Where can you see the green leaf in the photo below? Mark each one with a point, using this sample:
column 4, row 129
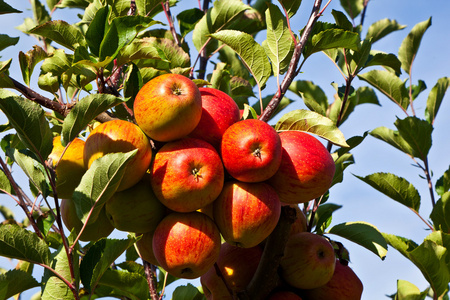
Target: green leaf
column 388, row 84
column 28, row 119
column 5, row 185
column 312, row 122
column 40, row 13
column 86, row 110
column 5, row 80
column 396, row 188
column 29, row 60
column 220, row 78
column 99, row 183
column 393, row 138
column 53, row 286
column 131, row 285
column 435, row 98
column 279, row 45
column 382, row 28
column 14, row 282
column 440, row 215
column 122, row 31
column 341, row 20
column 99, row 258
column 408, row 291
column 187, row 292
column 6, row 41
column 313, row 96
column 417, row 133
column 150, row 8
column 5, row 8
column 291, row 6
column 97, row 29
column 251, row 53
column 19, row 243
column 401, row 244
column 330, row 39
column 363, row 234
column 341, row 163
column 187, row 20
column 353, row 7
column 410, row 45
column 62, row 33
column 283, row 103
column 377, row 58
column 324, row 215
column 443, row 183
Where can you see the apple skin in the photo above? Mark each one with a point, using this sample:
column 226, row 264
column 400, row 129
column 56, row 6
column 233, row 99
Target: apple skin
column 300, row 224
column 94, row 230
column 144, row 248
column 246, row 213
column 237, row 266
column 168, row 107
column 219, row 111
column 186, row 245
column 135, row 209
column 187, row 174
column 306, row 170
column 308, row 261
column 286, row 295
column 120, row 136
column 70, row 167
column 251, row 150
column 344, row 285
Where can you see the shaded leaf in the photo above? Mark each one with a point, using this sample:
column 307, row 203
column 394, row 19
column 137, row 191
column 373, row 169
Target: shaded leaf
column 417, row 133
column 86, row 110
column 330, row 39
column 435, row 98
column 98, row 259
column 393, row 138
column 150, row 8
column 324, row 215
column 5, row 185
column 353, row 7
column 382, row 28
column 5, row 8
column 313, row 96
column 14, row 282
column 251, row 53
column 187, row 20
column 131, row 285
column 410, row 45
column 377, row 58
column 19, row 243
column 97, row 29
column 220, row 78
column 29, row 60
column 441, row 212
column 291, row 6
column 312, row 122
column 443, row 183
column 6, row 41
column 187, row 292
column 28, row 119
column 61, row 32
column 341, row 163
column 395, row 187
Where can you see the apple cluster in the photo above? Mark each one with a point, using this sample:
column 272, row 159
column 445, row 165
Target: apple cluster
column 200, row 176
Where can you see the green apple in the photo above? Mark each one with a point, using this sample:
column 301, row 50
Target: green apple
column 144, row 247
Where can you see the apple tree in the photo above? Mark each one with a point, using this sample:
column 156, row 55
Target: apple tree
column 90, row 72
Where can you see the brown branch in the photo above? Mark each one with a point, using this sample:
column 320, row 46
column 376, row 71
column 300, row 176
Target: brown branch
column 149, row 273
column 166, row 8
column 292, row 69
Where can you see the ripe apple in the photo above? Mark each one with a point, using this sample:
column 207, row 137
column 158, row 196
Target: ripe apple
column 144, row 248
column 219, row 111
column 187, row 174
column 286, row 295
column 186, row 245
column 237, row 266
column 135, row 209
column 246, row 213
column 344, row 285
column 308, row 261
column 69, row 168
column 251, row 150
column 120, row 136
column 300, row 224
column 168, row 107
column 94, row 230
column 306, row 169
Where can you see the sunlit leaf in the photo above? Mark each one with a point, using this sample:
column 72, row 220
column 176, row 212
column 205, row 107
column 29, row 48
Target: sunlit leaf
column 353, row 7
column 313, row 96
column 62, row 33
column 332, row 38
column 312, row 122
column 29, row 60
column 408, row 291
column 187, row 292
column 291, row 6
column 14, row 282
column 417, row 133
column 187, row 20
column 382, row 28
column 435, row 98
column 6, row 41
column 97, row 29
column 131, row 285
column 377, row 58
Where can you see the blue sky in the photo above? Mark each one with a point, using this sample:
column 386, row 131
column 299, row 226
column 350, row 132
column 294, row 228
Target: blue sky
column 360, row 202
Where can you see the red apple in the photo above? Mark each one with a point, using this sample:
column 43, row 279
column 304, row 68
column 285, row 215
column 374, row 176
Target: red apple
column 168, row 107
column 344, row 285
column 70, row 166
column 306, row 169
column 187, row 174
column 251, row 150
column 186, row 245
column 94, row 230
column 285, row 295
column 237, row 266
column 308, row 261
column 120, row 136
column 246, row 213
column 300, row 224
column 219, row 111
column 135, row 209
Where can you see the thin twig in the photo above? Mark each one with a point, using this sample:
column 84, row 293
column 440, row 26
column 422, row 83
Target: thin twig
column 166, row 8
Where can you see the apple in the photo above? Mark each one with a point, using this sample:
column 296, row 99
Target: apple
column 120, row 136
column 306, row 170
column 300, row 224
column 246, row 213
column 251, row 150
column 69, row 165
column 219, row 111
column 94, row 230
column 308, row 261
column 186, row 245
column 187, row 174
column 344, row 285
column 168, row 107
column 144, row 247
column 237, row 266
column 135, row 209
column 286, row 295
